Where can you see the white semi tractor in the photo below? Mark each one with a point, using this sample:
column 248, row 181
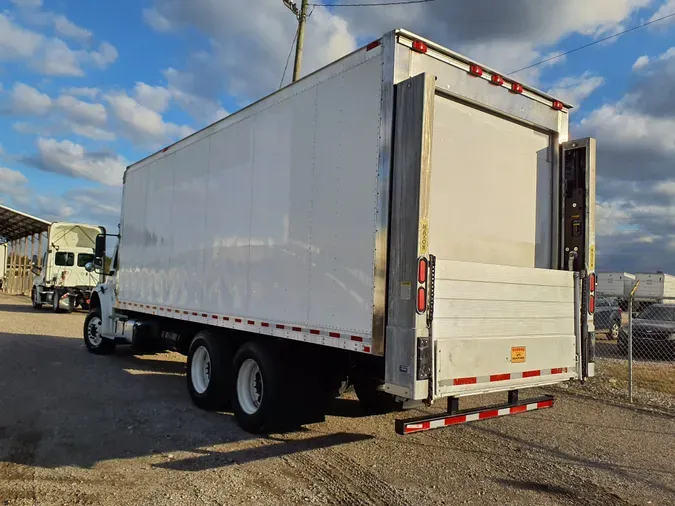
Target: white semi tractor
column 61, row 279
column 405, row 217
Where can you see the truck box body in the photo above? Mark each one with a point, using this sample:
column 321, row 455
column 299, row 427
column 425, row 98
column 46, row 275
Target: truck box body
column 303, row 216
column 657, row 286
column 615, row 284
column 3, row 264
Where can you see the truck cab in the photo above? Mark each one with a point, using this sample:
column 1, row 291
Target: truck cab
column 61, row 279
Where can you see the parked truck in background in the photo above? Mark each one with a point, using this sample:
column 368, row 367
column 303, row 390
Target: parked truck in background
column 404, row 217
column 616, row 285
column 3, row 264
column 61, row 279
column 654, row 288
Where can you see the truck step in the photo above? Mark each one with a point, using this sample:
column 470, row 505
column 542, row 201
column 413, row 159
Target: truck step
column 423, row 423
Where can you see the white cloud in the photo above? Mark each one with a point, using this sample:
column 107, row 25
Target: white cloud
column 105, row 56
column 82, row 112
column 67, row 28
column 27, row 3
column 68, row 158
column 25, row 99
column 156, row 21
column 575, row 89
column 90, row 93
column 668, row 7
column 17, row 43
column 12, row 182
column 153, row 97
column 49, row 55
column 141, row 123
column 641, row 62
column 203, row 109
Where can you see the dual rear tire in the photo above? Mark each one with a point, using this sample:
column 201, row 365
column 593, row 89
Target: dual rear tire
column 264, row 393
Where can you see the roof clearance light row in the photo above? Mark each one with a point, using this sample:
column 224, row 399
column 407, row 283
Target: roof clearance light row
column 496, row 79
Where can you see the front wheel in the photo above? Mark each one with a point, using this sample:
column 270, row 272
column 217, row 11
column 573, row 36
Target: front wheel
column 33, row 299
column 93, row 339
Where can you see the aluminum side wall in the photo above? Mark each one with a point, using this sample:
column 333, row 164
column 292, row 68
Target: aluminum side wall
column 269, row 214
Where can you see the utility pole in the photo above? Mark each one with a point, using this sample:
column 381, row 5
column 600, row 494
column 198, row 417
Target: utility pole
column 301, row 15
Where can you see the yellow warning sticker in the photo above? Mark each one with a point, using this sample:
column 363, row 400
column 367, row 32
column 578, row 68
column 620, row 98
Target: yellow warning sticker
column 424, row 237
column 518, row 354
column 591, row 258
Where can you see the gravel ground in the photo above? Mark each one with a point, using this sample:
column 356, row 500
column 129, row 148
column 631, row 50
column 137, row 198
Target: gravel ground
column 77, row 429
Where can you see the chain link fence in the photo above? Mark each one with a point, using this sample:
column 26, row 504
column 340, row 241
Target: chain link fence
column 635, row 347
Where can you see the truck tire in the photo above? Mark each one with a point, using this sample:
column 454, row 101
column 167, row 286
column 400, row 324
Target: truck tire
column 33, row 299
column 56, row 303
column 208, row 373
column 93, row 340
column 372, row 400
column 258, row 389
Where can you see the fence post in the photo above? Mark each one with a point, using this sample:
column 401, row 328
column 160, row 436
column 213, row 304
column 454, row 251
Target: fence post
column 631, row 301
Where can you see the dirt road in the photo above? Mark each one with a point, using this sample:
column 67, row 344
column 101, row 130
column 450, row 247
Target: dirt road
column 77, row 429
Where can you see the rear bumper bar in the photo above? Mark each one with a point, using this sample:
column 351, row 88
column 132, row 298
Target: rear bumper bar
column 455, row 417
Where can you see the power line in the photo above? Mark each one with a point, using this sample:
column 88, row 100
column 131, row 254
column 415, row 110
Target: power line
column 288, row 59
column 593, row 43
column 378, row 4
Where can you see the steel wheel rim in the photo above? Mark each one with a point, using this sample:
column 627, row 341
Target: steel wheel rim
column 615, row 330
column 201, row 370
column 94, row 332
column 250, row 386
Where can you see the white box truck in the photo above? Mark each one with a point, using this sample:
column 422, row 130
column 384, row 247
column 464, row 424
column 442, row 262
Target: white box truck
column 61, row 279
column 404, row 217
column 654, row 288
column 615, row 284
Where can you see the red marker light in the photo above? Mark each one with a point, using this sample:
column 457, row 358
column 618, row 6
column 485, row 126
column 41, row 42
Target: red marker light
column 557, row 105
column 421, row 300
column 497, row 79
column 419, row 47
column 475, row 70
column 373, row 45
column 516, row 87
column 422, row 271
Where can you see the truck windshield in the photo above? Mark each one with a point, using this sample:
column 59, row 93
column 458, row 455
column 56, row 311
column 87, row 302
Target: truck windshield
column 84, row 258
column 64, row 259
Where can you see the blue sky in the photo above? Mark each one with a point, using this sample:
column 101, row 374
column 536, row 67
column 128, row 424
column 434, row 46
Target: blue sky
column 88, row 87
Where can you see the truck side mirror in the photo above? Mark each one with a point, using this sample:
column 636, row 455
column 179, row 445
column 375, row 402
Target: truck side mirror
column 99, row 251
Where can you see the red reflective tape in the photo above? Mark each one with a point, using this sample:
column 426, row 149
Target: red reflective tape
column 161, row 309
column 280, row 327
column 251, row 322
column 531, row 374
column 147, row 307
column 215, row 317
column 315, row 332
column 334, row 334
column 518, row 409
column 168, row 310
column 366, row 349
column 357, row 339
column 493, row 413
column 544, row 404
column 557, row 371
column 265, row 324
column 297, row 329
column 184, row 312
column 193, row 313
column 464, row 381
column 153, row 307
column 226, row 318
column 500, row 377
column 204, row 315
column 237, row 320
column 454, row 420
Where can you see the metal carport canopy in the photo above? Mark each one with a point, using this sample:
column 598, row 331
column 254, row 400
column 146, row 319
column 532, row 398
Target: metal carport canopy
column 17, row 225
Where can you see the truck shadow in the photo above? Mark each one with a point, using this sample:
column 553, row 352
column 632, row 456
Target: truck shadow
column 61, row 406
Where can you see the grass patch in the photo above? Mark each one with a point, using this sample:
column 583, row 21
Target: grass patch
column 658, row 377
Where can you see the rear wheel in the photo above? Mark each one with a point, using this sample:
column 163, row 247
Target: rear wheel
column 208, row 371
column 257, row 389
column 34, row 300
column 93, row 339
